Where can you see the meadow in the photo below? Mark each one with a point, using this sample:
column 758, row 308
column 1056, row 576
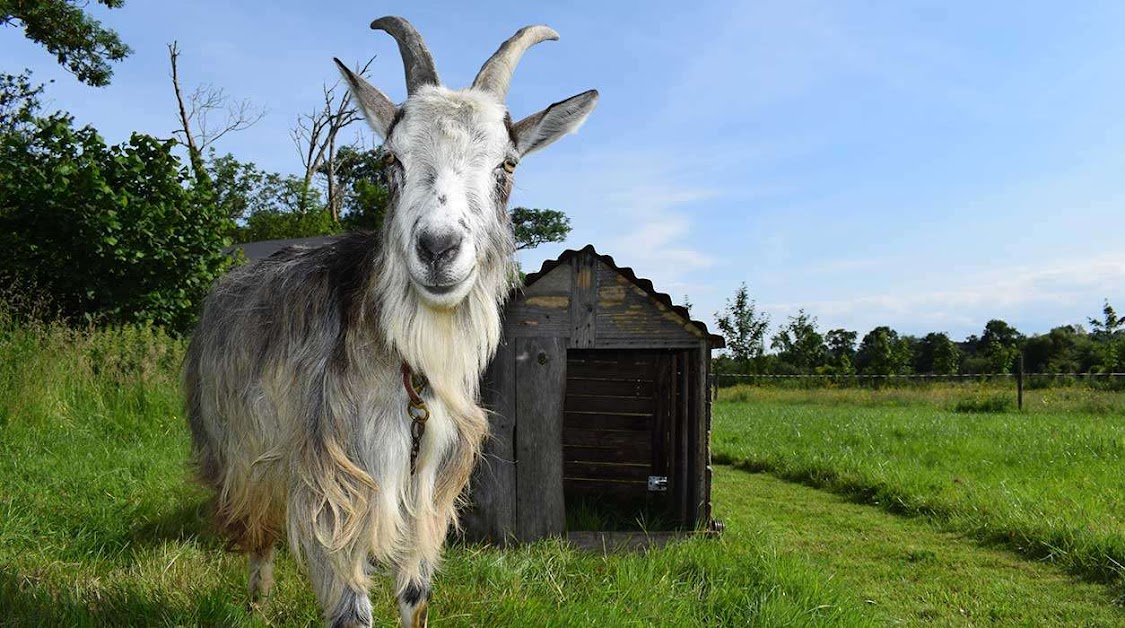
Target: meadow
column 101, row 525
column 1046, row 482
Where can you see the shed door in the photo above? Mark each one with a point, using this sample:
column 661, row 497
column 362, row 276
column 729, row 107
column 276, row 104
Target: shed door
column 619, row 429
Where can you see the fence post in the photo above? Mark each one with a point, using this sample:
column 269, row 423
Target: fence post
column 1019, row 385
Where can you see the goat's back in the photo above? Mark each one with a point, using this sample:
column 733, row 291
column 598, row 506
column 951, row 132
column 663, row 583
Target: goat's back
column 264, row 338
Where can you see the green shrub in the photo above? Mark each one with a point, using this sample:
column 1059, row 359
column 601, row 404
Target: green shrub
column 110, row 234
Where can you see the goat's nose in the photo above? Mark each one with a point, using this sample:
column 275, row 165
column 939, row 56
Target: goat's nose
column 438, row 248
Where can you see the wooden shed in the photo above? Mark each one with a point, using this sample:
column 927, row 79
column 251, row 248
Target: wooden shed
column 598, row 393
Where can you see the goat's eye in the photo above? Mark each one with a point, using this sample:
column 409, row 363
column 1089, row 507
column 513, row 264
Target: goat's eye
column 509, row 166
column 389, row 159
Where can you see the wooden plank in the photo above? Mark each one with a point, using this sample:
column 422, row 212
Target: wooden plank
column 685, row 393
column 583, row 301
column 602, row 421
column 626, row 315
column 540, row 383
column 609, row 405
column 587, row 437
column 606, row 490
column 621, row 387
column 491, row 516
column 605, row 471
column 701, row 422
column 633, row 453
column 641, row 368
column 522, row 318
column 632, row 342
column 556, row 282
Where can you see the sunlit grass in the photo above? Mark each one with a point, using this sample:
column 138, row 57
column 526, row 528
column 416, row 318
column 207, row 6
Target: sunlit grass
column 1048, row 482
column 100, row 525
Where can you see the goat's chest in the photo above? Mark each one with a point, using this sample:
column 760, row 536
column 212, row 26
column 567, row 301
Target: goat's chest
column 387, row 440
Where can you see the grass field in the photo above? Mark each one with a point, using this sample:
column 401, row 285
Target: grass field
column 1048, row 482
column 100, row 526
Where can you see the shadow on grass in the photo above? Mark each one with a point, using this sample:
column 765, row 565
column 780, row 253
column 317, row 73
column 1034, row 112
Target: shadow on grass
column 1100, row 567
column 190, row 521
column 29, row 601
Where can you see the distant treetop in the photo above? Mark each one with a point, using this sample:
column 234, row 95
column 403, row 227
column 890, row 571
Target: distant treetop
column 79, row 42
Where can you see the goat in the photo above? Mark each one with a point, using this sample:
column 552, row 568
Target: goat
column 300, row 374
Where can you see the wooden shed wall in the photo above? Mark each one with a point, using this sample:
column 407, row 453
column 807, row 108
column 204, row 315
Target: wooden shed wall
column 517, row 492
column 595, row 306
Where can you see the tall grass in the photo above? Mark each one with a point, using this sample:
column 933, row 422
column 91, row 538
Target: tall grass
column 100, row 524
column 1049, row 482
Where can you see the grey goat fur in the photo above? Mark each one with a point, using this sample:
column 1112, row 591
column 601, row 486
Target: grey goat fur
column 293, row 379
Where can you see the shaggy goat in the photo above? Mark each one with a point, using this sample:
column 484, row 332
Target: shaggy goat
column 299, row 375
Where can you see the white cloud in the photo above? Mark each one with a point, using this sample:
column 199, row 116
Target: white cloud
column 631, row 205
column 1034, row 295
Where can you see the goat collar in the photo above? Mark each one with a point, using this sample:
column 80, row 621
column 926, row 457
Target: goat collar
column 416, row 410
column 413, row 385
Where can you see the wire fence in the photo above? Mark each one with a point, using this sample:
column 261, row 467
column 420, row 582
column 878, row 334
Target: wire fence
column 1020, row 381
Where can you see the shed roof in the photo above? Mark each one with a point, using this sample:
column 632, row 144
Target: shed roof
column 717, row 341
column 264, row 248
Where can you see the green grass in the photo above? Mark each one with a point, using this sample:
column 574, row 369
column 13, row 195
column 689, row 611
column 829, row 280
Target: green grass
column 99, row 525
column 1049, row 482
column 904, row 570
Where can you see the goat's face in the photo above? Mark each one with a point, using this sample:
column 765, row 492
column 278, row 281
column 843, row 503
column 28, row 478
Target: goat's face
column 451, row 156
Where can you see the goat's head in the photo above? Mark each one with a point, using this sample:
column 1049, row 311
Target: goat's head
column 451, row 156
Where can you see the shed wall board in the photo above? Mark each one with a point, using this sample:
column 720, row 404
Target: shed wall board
column 492, row 516
column 540, row 385
column 584, row 302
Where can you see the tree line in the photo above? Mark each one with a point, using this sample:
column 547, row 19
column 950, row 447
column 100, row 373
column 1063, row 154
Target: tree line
column 800, row 347
column 138, row 231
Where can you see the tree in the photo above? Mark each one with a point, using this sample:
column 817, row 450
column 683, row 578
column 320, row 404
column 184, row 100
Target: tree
column 840, row 345
column 799, row 344
column 538, row 226
column 883, row 352
column 198, row 130
column 315, row 137
column 363, row 193
column 1109, row 332
column 1065, row 349
column 999, row 346
column 241, row 189
column 937, row 354
column 79, row 42
column 744, row 328
column 107, row 233
column 19, row 101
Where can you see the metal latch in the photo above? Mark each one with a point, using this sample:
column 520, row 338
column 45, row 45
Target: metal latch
column 658, row 483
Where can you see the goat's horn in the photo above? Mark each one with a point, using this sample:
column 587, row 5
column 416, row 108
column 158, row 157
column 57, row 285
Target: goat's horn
column 496, row 73
column 416, row 58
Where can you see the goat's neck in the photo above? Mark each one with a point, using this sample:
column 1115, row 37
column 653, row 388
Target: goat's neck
column 450, row 347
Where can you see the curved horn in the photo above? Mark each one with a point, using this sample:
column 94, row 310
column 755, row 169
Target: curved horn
column 416, row 58
column 496, row 73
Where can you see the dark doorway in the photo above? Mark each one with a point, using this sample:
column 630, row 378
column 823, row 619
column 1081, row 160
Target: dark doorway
column 623, row 431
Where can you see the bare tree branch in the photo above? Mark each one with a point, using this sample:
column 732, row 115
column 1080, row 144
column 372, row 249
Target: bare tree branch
column 197, row 125
column 194, row 154
column 315, row 137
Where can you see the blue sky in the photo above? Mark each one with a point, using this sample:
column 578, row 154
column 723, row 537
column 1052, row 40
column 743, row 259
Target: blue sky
column 926, row 166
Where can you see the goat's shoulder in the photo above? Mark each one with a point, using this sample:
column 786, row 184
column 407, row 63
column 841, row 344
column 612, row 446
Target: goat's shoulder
column 322, row 278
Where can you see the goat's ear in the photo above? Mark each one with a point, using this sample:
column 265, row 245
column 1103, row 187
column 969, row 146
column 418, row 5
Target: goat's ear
column 540, row 129
column 377, row 108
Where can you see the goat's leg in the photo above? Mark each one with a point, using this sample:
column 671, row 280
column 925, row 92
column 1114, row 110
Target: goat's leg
column 414, row 592
column 261, row 574
column 342, row 597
